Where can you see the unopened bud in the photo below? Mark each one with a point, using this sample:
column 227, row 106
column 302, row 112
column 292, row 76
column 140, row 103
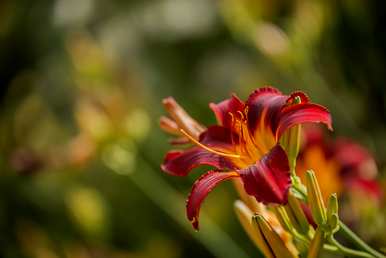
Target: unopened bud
column 276, row 244
column 316, row 244
column 244, row 214
column 315, row 198
column 290, row 141
column 332, row 213
column 298, row 212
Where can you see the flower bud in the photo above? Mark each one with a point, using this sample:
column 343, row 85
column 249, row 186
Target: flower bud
column 315, row 198
column 332, row 205
column 295, row 206
column 316, row 244
column 291, row 141
column 276, row 244
column 332, row 213
column 244, row 214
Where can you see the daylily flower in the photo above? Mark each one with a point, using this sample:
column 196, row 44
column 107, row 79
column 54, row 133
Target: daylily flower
column 244, row 144
column 341, row 165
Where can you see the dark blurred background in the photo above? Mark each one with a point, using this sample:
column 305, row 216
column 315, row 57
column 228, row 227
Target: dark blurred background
column 81, row 90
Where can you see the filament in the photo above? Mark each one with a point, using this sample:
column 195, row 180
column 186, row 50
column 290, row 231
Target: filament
column 241, row 114
column 232, row 126
column 241, row 137
column 208, row 148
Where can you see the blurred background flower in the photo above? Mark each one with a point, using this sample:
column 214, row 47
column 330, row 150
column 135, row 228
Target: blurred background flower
column 81, row 89
column 348, row 169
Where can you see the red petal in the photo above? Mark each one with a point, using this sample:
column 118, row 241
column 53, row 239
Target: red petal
column 169, row 126
column 179, row 141
column 303, row 97
column 369, row 187
column 350, row 154
column 269, row 179
column 264, row 107
column 222, row 110
column 314, row 135
column 356, row 161
column 201, row 188
column 182, row 118
column 219, row 138
column 264, row 90
column 302, row 113
column 180, row 163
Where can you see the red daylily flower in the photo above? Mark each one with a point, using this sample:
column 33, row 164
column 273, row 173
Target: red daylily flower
column 340, row 165
column 244, row 144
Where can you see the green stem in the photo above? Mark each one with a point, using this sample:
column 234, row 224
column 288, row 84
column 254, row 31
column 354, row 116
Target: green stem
column 347, row 251
column 359, row 242
column 330, row 248
column 298, row 187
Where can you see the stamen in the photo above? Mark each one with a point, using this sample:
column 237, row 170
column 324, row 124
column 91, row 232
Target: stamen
column 241, row 115
column 208, row 148
column 232, row 126
column 241, row 133
column 249, row 145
